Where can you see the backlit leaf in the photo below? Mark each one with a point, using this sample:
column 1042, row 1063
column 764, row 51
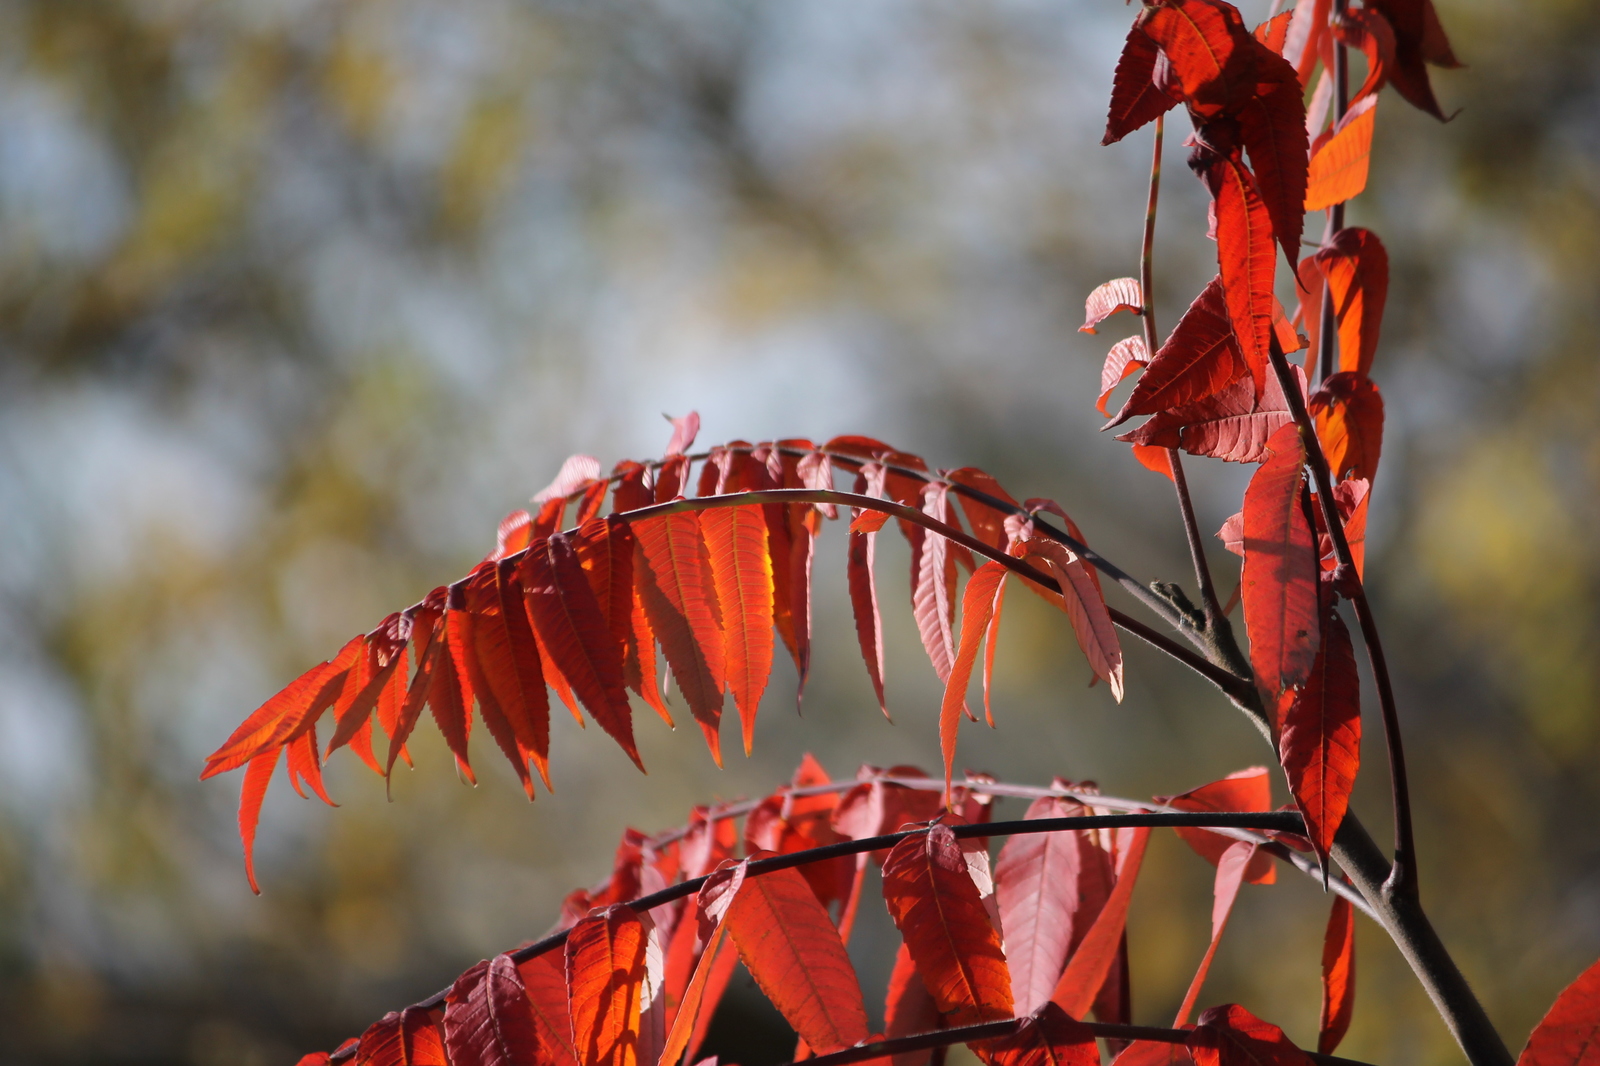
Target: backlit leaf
column 1338, row 169
column 736, row 538
column 1319, row 735
column 1231, row 1036
column 1100, row 948
column 977, row 608
column 1357, row 268
column 1339, row 976
column 1246, row 255
column 1199, row 360
column 1135, row 97
column 1126, row 358
column 487, row 1019
column 1050, row 1038
column 1279, row 578
column 1230, row 876
column 605, row 984
column 940, row 914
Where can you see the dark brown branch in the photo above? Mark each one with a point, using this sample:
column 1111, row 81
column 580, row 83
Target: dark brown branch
column 992, row 1030
column 1402, row 876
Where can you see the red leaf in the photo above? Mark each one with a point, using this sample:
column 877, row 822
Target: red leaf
column 680, row 600
column 1569, row 1034
column 1279, row 578
column 450, row 695
column 1153, row 1053
column 1357, row 269
column 1418, row 39
column 405, row 1038
column 605, row 983
column 1339, row 977
column 257, row 775
column 1234, row 425
column 1338, row 170
column 427, row 625
column 1245, row 253
column 487, row 1020
column 1319, row 736
column 908, row 1008
column 544, row 980
column 684, row 431
column 875, row 808
column 1154, row 458
column 508, row 666
column 1230, row 875
column 1231, row 1036
column 1308, row 32
column 1119, row 294
column 1244, row 790
column 1272, row 127
column 1081, row 599
column 717, row 956
column 988, row 523
column 791, row 948
column 863, row 585
column 937, row 908
column 977, row 609
column 281, row 717
column 575, row 473
column 1126, row 358
column 1199, row 360
column 1135, row 97
column 1274, row 32
column 573, row 628
column 1050, row 1038
column 1371, row 33
column 1086, row 971
column 462, row 631
column 1050, row 888
column 1210, row 51
column 742, row 571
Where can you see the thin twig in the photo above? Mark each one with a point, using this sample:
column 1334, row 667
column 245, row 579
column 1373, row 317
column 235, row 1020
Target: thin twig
column 1402, row 875
column 1147, row 313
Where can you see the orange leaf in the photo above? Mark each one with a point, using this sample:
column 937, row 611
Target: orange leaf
column 1339, row 166
column 673, row 575
column 718, row 954
column 1274, row 32
column 1086, row 971
column 487, row 1020
column 1154, row 458
column 1319, row 736
column 791, row 948
column 1050, row 1038
column 1357, row 269
column 605, row 984
column 572, row 625
column 1119, row 294
column 1279, row 578
column 1199, row 360
column 937, row 908
column 736, row 538
column 507, row 666
column 1231, row 1036
column 1339, row 976
column 977, row 609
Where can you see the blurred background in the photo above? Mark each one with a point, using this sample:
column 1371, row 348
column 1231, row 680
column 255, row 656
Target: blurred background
column 299, row 297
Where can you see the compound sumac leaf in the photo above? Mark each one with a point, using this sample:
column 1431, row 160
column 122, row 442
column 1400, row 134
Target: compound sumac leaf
column 1279, row 580
column 487, row 1020
column 940, row 914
